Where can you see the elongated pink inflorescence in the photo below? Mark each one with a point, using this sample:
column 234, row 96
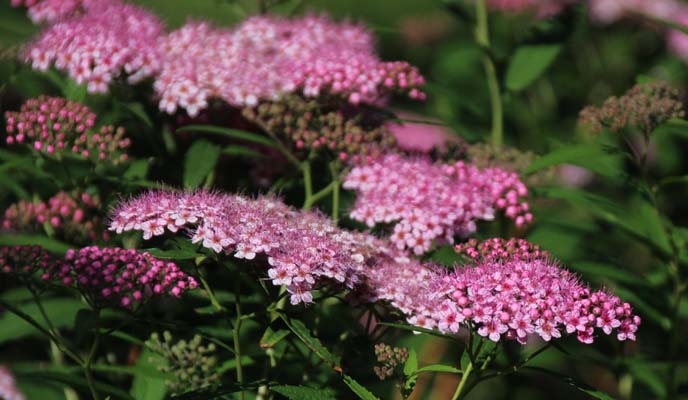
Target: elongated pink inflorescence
column 119, row 276
column 8, row 387
column 266, row 57
column 503, row 299
column 303, row 249
column 109, row 39
column 56, row 126
column 429, row 201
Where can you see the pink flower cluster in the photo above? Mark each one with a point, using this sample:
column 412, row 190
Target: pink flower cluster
column 25, row 260
column 495, row 249
column 507, row 299
column 431, row 201
column 421, row 137
column 266, row 57
column 8, row 388
column 71, row 216
column 302, row 249
column 608, row 11
column 50, row 10
column 54, row 125
column 118, row 276
column 107, row 40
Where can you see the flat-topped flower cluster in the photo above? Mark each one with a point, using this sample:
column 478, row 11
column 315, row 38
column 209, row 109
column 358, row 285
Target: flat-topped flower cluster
column 302, row 249
column 504, row 298
column 266, row 57
column 429, row 201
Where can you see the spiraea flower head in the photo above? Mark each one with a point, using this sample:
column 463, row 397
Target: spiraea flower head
column 8, row 387
column 300, row 249
column 56, row 126
column 309, row 125
column 504, row 298
column 429, row 201
column 71, row 216
column 109, row 39
column 23, row 261
column 644, row 107
column 495, row 249
column 266, row 57
column 192, row 363
column 47, row 11
column 119, row 277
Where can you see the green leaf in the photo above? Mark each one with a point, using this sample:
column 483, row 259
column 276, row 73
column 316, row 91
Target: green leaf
column 144, row 385
column 228, row 132
column 271, row 338
column 137, row 170
column 590, row 156
column 643, row 372
column 73, row 91
column 358, row 389
column 418, row 329
column 138, row 110
column 77, row 382
column 200, row 160
column 410, row 368
column 587, row 389
column 303, row 392
column 175, row 254
column 52, row 245
column 465, row 360
column 61, row 311
column 216, row 391
column 608, row 271
column 303, row 333
column 528, row 64
column 237, row 150
column 438, row 368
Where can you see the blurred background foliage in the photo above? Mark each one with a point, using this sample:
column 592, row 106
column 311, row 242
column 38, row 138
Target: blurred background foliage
column 607, row 230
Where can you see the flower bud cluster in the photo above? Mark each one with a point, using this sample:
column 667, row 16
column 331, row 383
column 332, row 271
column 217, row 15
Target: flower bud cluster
column 8, row 387
column 23, row 261
column 310, row 126
column 267, row 57
column 119, row 277
column 390, row 358
column 71, row 216
column 431, row 201
column 495, row 249
column 191, row 363
column 105, row 41
column 645, row 106
column 56, row 126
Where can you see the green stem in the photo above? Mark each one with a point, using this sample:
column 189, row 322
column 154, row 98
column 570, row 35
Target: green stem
column 462, row 382
column 89, row 359
column 211, row 295
column 236, row 338
column 307, row 185
column 482, row 37
column 335, row 191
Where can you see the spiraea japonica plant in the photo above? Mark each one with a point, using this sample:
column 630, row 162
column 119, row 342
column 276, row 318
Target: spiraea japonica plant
column 268, row 199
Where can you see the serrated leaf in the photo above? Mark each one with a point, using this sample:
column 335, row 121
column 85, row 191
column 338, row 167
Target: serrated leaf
column 303, row 333
column 228, row 132
column 438, row 368
column 145, row 386
column 587, row 389
column 271, row 338
column 200, row 160
column 137, row 170
column 237, row 150
column 303, row 392
column 358, row 389
column 417, row 329
column 410, row 368
column 61, row 311
column 529, row 63
column 174, row 254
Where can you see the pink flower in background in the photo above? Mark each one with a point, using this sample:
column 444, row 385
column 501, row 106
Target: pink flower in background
column 71, row 216
column 677, row 41
column 301, row 249
column 266, row 57
column 542, row 8
column 428, row 201
column 420, row 137
column 608, row 11
column 8, row 388
column 56, row 126
column 496, row 249
column 109, row 40
column 118, row 276
column 49, row 10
